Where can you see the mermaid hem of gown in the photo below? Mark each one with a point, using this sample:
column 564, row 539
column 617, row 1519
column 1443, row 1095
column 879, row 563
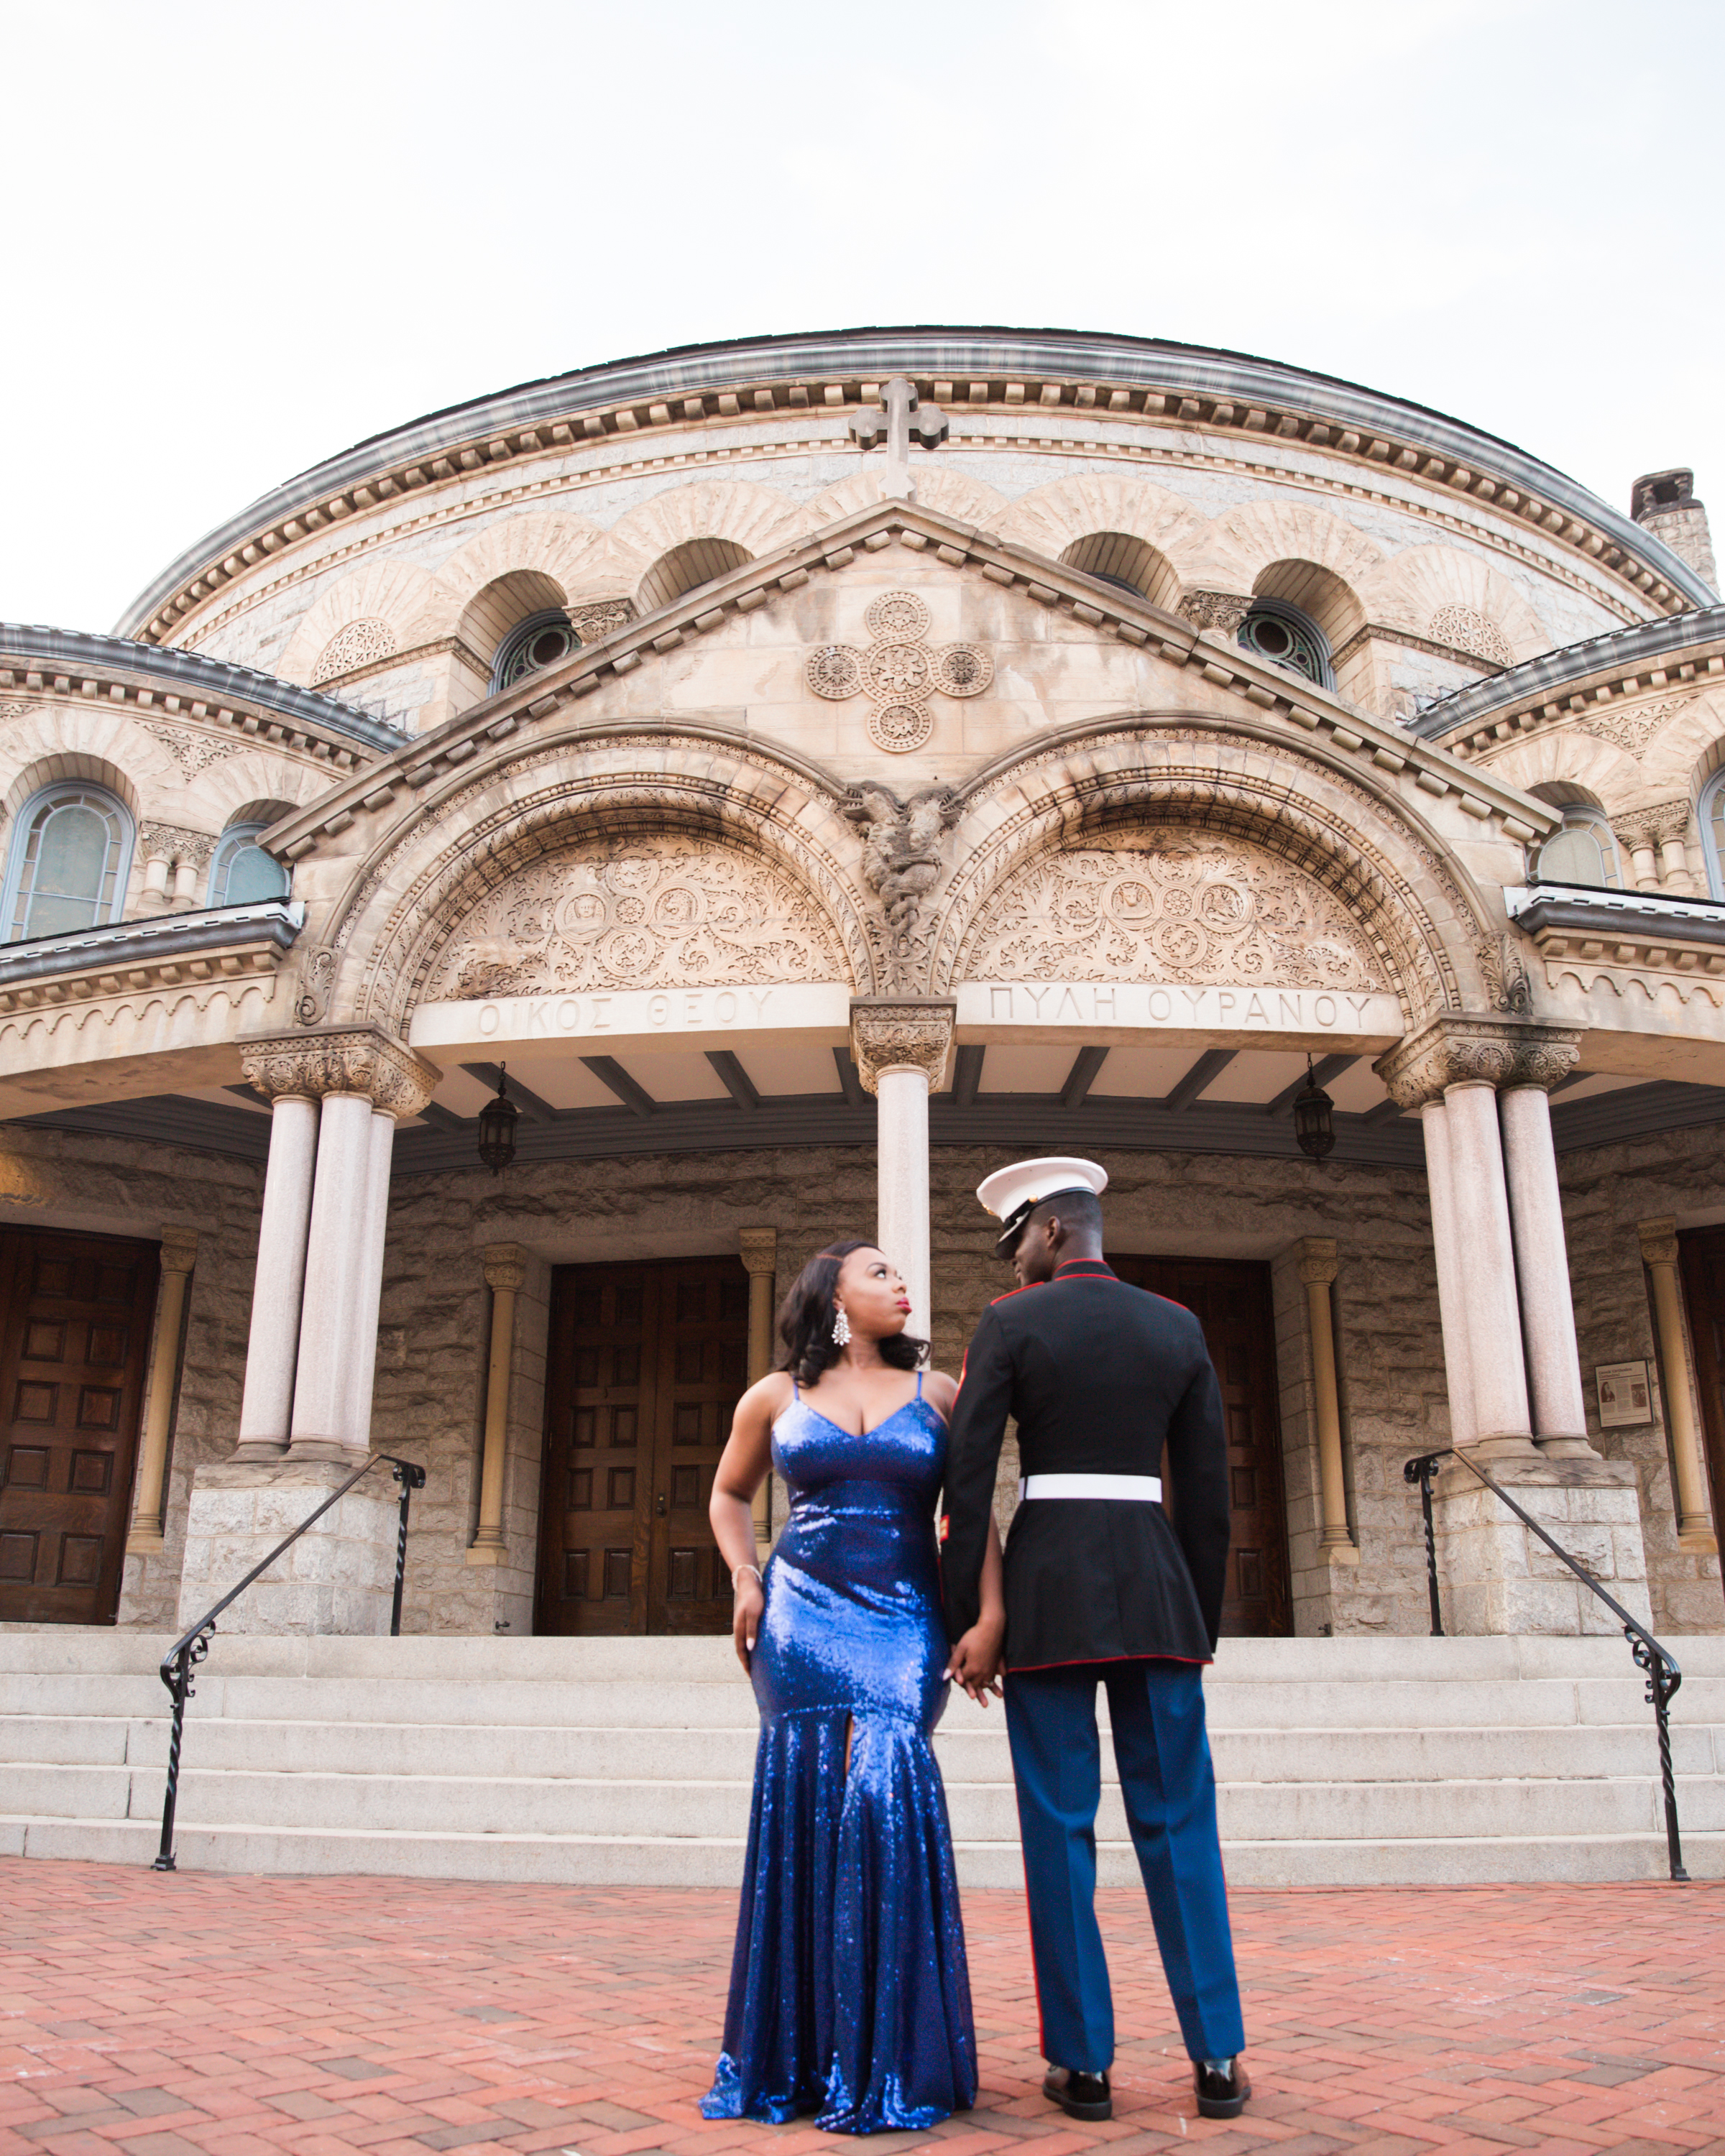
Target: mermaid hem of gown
column 856, row 1919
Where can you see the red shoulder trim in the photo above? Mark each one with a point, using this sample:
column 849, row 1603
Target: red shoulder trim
column 1011, row 1291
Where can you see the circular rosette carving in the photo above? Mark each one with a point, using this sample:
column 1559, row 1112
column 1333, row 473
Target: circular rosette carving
column 834, row 670
column 897, row 673
column 963, row 670
column 898, row 728
column 896, row 617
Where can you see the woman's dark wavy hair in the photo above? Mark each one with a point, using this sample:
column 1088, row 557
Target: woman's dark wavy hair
column 805, row 1320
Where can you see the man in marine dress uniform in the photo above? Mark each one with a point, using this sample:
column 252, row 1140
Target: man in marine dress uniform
column 1102, row 1588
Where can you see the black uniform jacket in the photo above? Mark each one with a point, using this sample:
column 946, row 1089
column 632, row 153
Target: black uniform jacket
column 1099, row 1376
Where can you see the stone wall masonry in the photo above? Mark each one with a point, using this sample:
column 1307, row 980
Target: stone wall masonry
column 116, row 1187
column 1606, row 1190
column 340, row 1577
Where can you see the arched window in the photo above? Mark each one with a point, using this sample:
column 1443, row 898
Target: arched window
column 1712, row 832
column 685, row 568
column 1279, row 632
column 542, row 639
column 67, row 865
column 242, row 874
column 1584, row 852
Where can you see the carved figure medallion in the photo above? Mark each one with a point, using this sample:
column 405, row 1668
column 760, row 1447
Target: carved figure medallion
column 899, row 672
column 649, row 912
column 1180, row 906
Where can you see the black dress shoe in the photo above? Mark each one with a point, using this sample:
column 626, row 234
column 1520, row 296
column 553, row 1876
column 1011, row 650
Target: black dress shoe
column 1221, row 2087
column 1080, row 2095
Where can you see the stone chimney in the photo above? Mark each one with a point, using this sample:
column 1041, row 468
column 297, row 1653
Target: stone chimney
column 1665, row 502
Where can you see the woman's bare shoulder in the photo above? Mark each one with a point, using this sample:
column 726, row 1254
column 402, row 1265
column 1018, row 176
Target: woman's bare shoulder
column 942, row 1390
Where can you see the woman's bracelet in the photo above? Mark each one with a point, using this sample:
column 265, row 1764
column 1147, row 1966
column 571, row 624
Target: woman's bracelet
column 737, row 1568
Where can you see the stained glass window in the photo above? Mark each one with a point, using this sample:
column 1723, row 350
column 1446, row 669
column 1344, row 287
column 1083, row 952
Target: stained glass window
column 1291, row 638
column 242, row 873
column 75, row 846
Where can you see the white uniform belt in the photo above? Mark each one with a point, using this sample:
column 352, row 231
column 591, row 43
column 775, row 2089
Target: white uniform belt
column 1131, row 1489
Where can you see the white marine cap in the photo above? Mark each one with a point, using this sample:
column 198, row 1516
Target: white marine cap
column 1012, row 1194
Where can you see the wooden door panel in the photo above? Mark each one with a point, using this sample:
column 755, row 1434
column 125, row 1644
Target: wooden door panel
column 1231, row 1299
column 647, row 1363
column 1701, row 1253
column 73, row 1341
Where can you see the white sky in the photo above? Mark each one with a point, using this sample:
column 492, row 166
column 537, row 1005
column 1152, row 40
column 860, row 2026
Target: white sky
column 240, row 236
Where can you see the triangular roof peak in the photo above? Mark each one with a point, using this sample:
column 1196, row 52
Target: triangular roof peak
column 1109, row 609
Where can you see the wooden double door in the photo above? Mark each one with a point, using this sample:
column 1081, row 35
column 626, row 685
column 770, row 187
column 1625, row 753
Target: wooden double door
column 1701, row 1255
column 74, row 1328
column 647, row 1363
column 1231, row 1299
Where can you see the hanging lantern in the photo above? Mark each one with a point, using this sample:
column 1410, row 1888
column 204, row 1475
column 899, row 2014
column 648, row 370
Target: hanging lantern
column 496, row 1127
column 1314, row 1118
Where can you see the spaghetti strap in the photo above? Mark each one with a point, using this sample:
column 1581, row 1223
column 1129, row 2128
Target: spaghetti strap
column 795, row 1395
column 919, row 1384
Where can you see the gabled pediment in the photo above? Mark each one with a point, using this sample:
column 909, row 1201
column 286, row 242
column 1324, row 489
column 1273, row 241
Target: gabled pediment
column 845, row 649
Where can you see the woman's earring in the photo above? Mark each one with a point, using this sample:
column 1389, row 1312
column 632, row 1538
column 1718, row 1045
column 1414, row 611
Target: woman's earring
column 841, row 1326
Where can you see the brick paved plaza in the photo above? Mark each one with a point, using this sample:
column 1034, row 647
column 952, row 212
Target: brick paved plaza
column 248, row 2016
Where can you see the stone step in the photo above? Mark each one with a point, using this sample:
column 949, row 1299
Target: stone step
column 967, row 1752
column 981, row 1811
column 1369, row 1703
column 641, row 1861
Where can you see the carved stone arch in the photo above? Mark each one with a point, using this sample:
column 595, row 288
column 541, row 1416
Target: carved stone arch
column 388, row 936
column 1568, row 757
column 570, row 553
column 1239, row 550
column 1392, row 902
column 954, row 494
column 1456, row 597
column 1054, row 519
column 355, row 619
column 752, row 517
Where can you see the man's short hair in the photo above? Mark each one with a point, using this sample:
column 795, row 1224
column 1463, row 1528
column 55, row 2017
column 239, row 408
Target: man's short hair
column 1081, row 1209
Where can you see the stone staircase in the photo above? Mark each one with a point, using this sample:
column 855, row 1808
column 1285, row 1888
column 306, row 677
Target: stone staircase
column 1350, row 1761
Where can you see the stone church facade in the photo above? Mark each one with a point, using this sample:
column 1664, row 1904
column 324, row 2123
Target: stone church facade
column 801, row 774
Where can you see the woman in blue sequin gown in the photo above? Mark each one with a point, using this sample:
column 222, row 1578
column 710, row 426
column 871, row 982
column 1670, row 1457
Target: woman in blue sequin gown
column 849, row 1995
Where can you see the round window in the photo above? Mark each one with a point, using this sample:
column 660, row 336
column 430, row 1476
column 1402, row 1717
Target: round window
column 545, row 640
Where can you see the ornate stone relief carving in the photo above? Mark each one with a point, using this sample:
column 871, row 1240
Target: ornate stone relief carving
column 640, row 912
column 594, row 624
column 901, row 859
column 898, row 672
column 359, row 643
column 1466, row 628
column 14, row 711
column 1182, row 906
column 1505, row 976
column 1633, row 730
column 1221, row 611
column 1653, row 824
column 347, row 1059
column 168, row 842
column 190, row 751
column 1455, row 1050
column 909, row 1034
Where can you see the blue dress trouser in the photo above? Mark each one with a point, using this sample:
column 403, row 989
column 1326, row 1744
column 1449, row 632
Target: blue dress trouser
column 1169, row 1786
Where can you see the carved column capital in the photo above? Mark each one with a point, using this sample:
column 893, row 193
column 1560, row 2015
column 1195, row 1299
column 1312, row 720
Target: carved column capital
column 758, row 1248
column 173, row 842
column 506, row 1266
column 1318, row 1262
column 1659, row 1240
column 341, row 1059
column 1222, row 613
column 1463, row 1048
column 1653, row 824
column 179, row 1249
column 901, row 1033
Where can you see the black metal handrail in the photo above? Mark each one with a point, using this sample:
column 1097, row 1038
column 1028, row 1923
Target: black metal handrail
column 1656, row 1663
column 192, row 1646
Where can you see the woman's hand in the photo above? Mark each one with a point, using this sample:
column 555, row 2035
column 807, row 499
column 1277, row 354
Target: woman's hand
column 746, row 1621
column 975, row 1661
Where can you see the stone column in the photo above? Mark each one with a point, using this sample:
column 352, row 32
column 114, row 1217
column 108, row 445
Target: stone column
column 902, row 1045
column 1447, row 1250
column 1317, row 1270
column 373, row 1234
column 338, row 1577
column 179, row 1254
column 1695, row 1519
column 758, row 1248
column 266, row 1407
column 1542, row 1252
column 1495, row 1577
column 505, row 1273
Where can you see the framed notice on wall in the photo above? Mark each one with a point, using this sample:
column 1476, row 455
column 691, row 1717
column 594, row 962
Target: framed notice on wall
column 1624, row 1396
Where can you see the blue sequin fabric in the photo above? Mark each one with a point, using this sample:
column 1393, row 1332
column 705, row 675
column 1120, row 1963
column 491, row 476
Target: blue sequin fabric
column 849, row 1994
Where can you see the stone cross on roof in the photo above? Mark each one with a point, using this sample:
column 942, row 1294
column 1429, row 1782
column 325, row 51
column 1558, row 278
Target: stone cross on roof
column 902, row 418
